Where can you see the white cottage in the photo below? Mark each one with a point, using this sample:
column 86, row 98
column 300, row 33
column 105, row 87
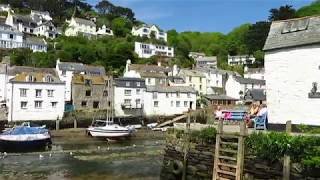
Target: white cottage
column 149, row 31
column 79, row 26
column 147, row 50
column 292, row 52
column 36, row 95
column 237, row 86
column 241, row 59
column 169, row 100
column 254, row 73
column 129, row 96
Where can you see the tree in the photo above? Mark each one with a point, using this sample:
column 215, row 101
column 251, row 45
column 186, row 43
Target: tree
column 284, row 12
column 309, row 10
column 121, row 26
column 256, row 37
column 104, row 7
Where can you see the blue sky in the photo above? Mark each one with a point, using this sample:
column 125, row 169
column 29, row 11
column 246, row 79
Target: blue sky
column 203, row 15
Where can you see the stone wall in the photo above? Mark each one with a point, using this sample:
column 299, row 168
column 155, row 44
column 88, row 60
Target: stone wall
column 200, row 164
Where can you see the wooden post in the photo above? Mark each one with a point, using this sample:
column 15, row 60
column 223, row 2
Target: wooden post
column 217, row 149
column 57, row 124
column 240, row 155
column 286, row 159
column 186, row 148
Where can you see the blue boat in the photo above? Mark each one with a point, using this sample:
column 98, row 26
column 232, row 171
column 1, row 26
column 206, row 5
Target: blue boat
column 25, row 138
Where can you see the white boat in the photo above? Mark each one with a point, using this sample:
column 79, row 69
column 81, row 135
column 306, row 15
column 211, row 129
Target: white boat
column 106, row 128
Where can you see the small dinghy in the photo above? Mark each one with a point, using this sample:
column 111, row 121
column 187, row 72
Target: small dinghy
column 24, row 138
column 107, row 129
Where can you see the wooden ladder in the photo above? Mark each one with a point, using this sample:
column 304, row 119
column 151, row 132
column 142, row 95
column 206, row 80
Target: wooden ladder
column 229, row 154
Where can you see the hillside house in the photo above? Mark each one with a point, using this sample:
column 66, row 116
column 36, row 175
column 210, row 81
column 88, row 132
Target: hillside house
column 241, row 60
column 206, row 61
column 196, row 79
column 145, row 50
column 152, row 74
column 292, row 52
column 5, row 7
column 102, row 31
column 195, row 55
column 79, row 26
column 254, row 73
column 149, row 31
column 236, row 86
column 169, row 100
column 128, row 97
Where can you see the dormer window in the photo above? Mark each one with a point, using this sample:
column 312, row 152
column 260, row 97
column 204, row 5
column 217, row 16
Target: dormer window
column 31, row 78
column 48, row 79
column 87, row 82
column 127, row 84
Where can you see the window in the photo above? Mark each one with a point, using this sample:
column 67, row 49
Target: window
column 49, row 79
column 149, row 80
column 23, row 104
column 96, row 104
column 200, row 87
column 138, row 91
column 178, row 94
column 167, row 95
column 138, row 101
column 38, row 92
column 63, row 73
column 11, row 36
column 109, row 103
column 31, row 79
column 185, row 104
column 171, row 103
column 38, row 104
column 83, row 103
column 105, row 93
column 178, row 104
column 156, row 104
column 50, row 93
column 190, row 78
column 189, row 95
column 200, row 79
column 88, row 92
column 23, row 92
column 87, row 82
column 127, row 92
column 54, row 104
column 127, row 101
column 127, row 84
column 155, row 95
column 138, row 84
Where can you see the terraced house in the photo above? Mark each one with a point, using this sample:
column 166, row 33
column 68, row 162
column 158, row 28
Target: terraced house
column 34, row 94
column 91, row 92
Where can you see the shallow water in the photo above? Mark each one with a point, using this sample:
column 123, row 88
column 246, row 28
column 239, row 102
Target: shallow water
column 77, row 157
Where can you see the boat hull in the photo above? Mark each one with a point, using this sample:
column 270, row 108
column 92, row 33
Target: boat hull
column 108, row 133
column 24, row 146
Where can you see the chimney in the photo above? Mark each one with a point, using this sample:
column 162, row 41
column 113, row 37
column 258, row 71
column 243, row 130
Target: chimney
column 127, row 65
column 175, row 70
column 159, row 63
column 246, row 69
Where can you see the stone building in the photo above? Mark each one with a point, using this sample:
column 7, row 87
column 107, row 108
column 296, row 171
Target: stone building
column 91, row 92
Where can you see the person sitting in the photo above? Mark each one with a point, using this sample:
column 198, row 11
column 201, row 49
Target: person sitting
column 263, row 110
column 218, row 113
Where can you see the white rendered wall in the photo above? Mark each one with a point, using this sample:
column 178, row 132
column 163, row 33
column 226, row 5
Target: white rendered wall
column 289, row 75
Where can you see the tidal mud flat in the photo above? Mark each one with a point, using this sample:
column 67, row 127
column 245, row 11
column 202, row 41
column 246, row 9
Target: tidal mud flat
column 76, row 156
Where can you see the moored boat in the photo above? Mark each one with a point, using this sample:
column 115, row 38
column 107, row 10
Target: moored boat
column 24, row 138
column 107, row 129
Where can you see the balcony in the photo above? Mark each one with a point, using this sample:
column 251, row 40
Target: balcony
column 131, row 106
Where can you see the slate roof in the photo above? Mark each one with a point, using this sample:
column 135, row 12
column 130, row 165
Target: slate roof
column 220, row 97
column 35, row 40
column 207, row 58
column 38, row 78
column 13, row 70
column 242, row 80
column 153, row 74
column 255, row 95
column 95, row 80
column 255, row 70
column 147, row 26
column 171, row 89
column 79, row 67
column 148, row 68
column 293, row 32
column 84, row 21
column 192, row 72
column 26, row 20
column 121, row 82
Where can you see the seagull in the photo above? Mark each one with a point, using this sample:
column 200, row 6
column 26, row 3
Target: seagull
column 134, row 145
column 71, row 153
column 108, row 148
column 50, row 155
column 98, row 147
column 40, row 156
